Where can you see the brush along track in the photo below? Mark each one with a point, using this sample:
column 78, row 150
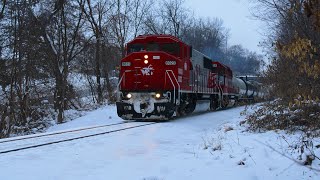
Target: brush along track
column 60, row 137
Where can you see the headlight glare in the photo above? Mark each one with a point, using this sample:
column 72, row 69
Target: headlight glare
column 158, row 95
column 129, row 95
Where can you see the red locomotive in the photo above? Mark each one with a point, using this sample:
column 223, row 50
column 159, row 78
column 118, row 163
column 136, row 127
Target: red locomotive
column 162, row 77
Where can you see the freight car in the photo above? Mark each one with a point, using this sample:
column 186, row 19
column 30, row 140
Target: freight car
column 162, row 77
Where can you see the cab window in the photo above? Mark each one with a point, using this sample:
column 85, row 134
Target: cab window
column 135, row 48
column 152, row 47
column 171, row 48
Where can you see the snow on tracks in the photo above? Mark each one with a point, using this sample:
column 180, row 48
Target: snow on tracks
column 28, row 142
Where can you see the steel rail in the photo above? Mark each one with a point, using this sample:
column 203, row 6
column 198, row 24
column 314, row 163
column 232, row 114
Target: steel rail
column 72, row 139
column 61, row 132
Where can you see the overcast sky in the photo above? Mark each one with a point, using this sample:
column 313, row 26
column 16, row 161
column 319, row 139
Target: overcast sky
column 236, row 17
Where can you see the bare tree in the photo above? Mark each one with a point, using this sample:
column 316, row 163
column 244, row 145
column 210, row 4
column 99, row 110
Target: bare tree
column 173, row 14
column 2, row 8
column 97, row 14
column 19, row 71
column 127, row 20
column 61, row 30
column 152, row 24
column 140, row 9
column 206, row 35
column 119, row 22
column 169, row 17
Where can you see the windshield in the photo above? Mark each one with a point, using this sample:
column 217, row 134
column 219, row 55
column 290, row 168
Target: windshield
column 152, row 47
column 171, row 48
column 135, row 48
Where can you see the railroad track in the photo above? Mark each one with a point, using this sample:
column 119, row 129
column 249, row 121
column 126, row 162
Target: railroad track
column 34, row 141
column 55, row 133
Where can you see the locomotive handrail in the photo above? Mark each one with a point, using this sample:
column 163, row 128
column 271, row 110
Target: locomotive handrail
column 118, row 86
column 220, row 92
column 174, row 86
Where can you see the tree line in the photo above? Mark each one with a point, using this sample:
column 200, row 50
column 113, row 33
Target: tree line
column 292, row 76
column 45, row 43
column 293, row 73
column 294, row 39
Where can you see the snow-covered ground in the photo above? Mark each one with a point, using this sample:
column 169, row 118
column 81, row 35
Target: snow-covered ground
column 200, row 147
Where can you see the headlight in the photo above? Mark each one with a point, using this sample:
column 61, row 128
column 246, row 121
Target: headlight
column 158, row 95
column 170, row 63
column 126, row 63
column 146, row 56
column 146, row 61
column 129, row 96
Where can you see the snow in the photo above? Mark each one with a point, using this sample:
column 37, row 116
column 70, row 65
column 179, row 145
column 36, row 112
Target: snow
column 104, row 115
column 202, row 146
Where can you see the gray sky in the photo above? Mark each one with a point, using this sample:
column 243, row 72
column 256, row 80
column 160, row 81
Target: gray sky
column 236, row 17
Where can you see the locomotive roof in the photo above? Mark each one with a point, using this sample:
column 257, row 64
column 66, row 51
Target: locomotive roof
column 221, row 65
column 156, row 37
column 225, row 67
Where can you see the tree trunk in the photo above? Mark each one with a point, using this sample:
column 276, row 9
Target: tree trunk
column 59, row 105
column 98, row 69
column 4, row 123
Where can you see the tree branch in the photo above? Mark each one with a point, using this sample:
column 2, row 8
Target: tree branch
column 4, row 2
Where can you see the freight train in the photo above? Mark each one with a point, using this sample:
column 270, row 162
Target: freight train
column 162, row 77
